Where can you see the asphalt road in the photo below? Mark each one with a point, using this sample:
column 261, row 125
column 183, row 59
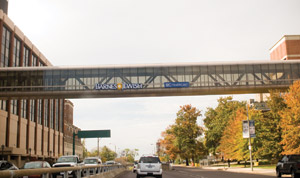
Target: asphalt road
column 183, row 172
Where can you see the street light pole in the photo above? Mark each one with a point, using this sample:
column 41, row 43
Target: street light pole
column 250, row 148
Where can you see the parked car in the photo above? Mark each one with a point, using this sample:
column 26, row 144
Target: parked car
column 92, row 161
column 36, row 165
column 149, row 166
column 6, row 165
column 67, row 161
column 135, row 164
column 289, row 164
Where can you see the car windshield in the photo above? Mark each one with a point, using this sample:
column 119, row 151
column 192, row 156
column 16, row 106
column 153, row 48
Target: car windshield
column 149, row 160
column 33, row 165
column 66, row 159
column 90, row 161
column 295, row 158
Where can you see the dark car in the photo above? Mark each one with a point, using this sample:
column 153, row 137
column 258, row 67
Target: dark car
column 5, row 165
column 36, row 165
column 289, row 164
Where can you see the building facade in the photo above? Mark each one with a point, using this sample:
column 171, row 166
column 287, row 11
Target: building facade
column 287, row 48
column 29, row 128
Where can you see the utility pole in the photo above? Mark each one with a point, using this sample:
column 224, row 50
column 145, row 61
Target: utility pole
column 250, row 148
column 98, row 148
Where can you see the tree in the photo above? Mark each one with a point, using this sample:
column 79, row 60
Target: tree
column 232, row 144
column 186, row 132
column 290, row 122
column 129, row 154
column 268, row 131
column 107, row 154
column 170, row 150
column 216, row 120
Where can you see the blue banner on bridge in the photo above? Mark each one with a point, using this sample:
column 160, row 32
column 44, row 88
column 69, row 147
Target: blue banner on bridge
column 176, row 84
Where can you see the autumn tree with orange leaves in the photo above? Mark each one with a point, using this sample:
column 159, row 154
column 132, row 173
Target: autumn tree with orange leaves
column 182, row 138
column 290, row 122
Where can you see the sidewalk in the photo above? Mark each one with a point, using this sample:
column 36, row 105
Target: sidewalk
column 244, row 170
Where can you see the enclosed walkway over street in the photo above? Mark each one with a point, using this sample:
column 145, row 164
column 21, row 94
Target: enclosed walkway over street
column 147, row 80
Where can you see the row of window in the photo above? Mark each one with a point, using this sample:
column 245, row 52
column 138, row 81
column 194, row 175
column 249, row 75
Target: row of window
column 28, row 60
column 197, row 76
column 53, row 108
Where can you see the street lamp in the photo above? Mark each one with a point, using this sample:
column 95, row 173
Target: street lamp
column 2, row 148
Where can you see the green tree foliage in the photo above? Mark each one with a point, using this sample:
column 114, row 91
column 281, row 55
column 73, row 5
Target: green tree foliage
column 107, row 154
column 186, row 131
column 268, row 132
column 216, row 121
column 129, row 154
column 290, row 122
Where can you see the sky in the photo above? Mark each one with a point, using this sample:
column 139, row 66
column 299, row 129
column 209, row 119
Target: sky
column 101, row 32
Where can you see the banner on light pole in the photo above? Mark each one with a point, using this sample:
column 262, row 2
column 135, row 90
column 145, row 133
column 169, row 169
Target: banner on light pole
column 246, row 129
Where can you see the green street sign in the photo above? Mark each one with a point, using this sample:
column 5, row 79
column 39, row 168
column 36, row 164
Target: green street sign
column 93, row 134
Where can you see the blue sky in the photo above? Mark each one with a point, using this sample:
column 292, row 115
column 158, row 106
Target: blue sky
column 100, row 32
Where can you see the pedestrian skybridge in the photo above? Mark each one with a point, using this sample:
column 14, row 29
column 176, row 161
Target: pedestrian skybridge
column 147, row 80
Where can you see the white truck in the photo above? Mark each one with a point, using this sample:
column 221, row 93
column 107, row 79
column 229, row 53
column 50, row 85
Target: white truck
column 67, row 161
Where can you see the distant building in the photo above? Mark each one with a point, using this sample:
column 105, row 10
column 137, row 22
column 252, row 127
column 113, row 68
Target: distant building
column 31, row 128
column 287, row 48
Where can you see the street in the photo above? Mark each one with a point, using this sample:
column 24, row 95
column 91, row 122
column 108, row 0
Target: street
column 184, row 172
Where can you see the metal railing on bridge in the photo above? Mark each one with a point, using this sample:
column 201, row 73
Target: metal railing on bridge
column 147, row 80
column 80, row 171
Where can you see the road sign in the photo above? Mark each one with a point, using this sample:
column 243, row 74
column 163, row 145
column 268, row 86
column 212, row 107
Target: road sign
column 93, row 134
column 90, row 134
column 246, row 129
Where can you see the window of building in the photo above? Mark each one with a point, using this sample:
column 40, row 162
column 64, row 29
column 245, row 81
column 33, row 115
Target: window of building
column 46, row 111
column 56, row 114
column 34, row 60
column 26, row 56
column 16, row 54
column 61, row 121
column 5, row 45
column 39, row 111
column 24, row 109
column 14, row 107
column 32, row 106
column 51, row 114
column 3, row 105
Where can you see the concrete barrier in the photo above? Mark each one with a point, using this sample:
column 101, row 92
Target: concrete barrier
column 110, row 174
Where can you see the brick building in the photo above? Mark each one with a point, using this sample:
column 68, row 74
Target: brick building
column 287, row 48
column 30, row 128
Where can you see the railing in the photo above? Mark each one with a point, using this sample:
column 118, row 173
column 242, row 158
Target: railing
column 79, row 171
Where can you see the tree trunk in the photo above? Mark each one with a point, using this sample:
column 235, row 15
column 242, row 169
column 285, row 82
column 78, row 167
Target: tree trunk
column 186, row 161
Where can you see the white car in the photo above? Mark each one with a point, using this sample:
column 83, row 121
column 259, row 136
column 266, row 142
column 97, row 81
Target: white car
column 149, row 166
column 92, row 161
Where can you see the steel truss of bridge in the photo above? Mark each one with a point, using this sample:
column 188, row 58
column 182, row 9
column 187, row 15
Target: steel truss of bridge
column 147, row 80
